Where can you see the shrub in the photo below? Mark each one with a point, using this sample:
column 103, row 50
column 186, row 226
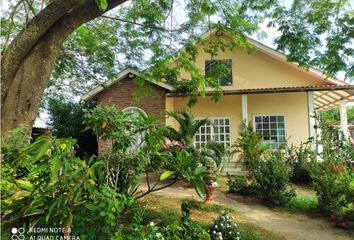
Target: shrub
column 303, row 204
column 43, row 184
column 333, row 183
column 271, row 180
column 269, row 174
column 299, row 159
column 333, row 175
column 240, row 185
column 224, row 228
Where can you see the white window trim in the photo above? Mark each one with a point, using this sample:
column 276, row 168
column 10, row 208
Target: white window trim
column 134, row 108
column 273, row 114
column 212, row 129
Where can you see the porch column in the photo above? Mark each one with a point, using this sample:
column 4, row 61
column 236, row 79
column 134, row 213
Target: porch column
column 343, row 119
column 244, row 108
column 311, row 115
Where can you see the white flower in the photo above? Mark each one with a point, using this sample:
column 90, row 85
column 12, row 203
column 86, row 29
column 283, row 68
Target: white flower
column 158, row 235
column 237, row 238
column 152, row 224
column 216, row 226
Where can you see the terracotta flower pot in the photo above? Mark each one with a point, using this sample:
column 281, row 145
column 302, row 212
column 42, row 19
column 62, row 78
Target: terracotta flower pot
column 210, row 193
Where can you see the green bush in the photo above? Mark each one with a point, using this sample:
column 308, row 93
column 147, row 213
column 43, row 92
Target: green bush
column 240, row 185
column 269, row 173
column 333, row 175
column 43, row 184
column 271, row 180
column 299, row 159
column 303, row 204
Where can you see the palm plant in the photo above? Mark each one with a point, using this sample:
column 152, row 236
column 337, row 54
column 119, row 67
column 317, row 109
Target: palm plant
column 189, row 126
column 250, row 147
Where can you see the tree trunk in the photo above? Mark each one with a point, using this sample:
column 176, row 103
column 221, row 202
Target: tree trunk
column 26, row 73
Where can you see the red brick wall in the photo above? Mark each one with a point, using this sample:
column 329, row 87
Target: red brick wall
column 121, row 96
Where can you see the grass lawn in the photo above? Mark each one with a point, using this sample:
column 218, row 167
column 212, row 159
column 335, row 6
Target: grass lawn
column 164, row 210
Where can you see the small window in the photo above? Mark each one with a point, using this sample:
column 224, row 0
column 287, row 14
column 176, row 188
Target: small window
column 271, row 128
column 220, row 69
column 219, row 131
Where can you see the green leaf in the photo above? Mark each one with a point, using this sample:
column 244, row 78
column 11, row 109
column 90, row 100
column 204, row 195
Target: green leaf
column 33, row 211
column 199, row 187
column 166, row 175
column 102, row 4
column 41, row 151
column 24, row 184
column 54, row 169
column 200, row 170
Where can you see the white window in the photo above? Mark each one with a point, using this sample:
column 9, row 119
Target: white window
column 271, row 128
column 139, row 138
column 218, row 131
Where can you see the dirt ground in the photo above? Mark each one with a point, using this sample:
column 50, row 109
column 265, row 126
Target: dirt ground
column 291, row 226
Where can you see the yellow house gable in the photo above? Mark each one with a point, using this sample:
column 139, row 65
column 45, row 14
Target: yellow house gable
column 262, row 68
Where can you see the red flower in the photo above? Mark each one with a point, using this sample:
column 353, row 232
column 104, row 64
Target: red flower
column 344, row 225
column 333, row 216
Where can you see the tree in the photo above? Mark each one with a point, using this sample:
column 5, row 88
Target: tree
column 28, row 61
column 333, row 116
column 66, row 119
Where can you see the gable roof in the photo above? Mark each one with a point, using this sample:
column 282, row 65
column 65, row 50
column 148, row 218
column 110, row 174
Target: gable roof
column 281, row 57
column 128, row 72
column 258, row 45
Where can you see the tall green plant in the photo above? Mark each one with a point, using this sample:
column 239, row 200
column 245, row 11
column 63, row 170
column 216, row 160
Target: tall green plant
column 188, row 126
column 268, row 172
column 332, row 172
column 127, row 164
column 52, row 186
column 249, row 146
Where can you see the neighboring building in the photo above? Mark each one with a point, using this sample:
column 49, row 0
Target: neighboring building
column 39, row 131
column 276, row 96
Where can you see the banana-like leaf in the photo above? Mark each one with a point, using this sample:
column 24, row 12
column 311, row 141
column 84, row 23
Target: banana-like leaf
column 54, row 168
column 25, row 184
column 41, row 151
column 33, row 211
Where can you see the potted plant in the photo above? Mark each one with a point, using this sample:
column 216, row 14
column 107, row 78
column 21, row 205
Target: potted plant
column 211, row 183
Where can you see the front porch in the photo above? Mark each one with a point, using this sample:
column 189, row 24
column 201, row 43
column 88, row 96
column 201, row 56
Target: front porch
column 281, row 115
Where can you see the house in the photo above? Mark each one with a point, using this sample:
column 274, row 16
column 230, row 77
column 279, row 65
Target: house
column 277, row 96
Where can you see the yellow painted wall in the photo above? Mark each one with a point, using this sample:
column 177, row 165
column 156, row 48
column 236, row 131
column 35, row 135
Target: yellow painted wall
column 258, row 70
column 229, row 106
column 292, row 105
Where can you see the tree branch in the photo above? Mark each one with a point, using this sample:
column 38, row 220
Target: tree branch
column 153, row 189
